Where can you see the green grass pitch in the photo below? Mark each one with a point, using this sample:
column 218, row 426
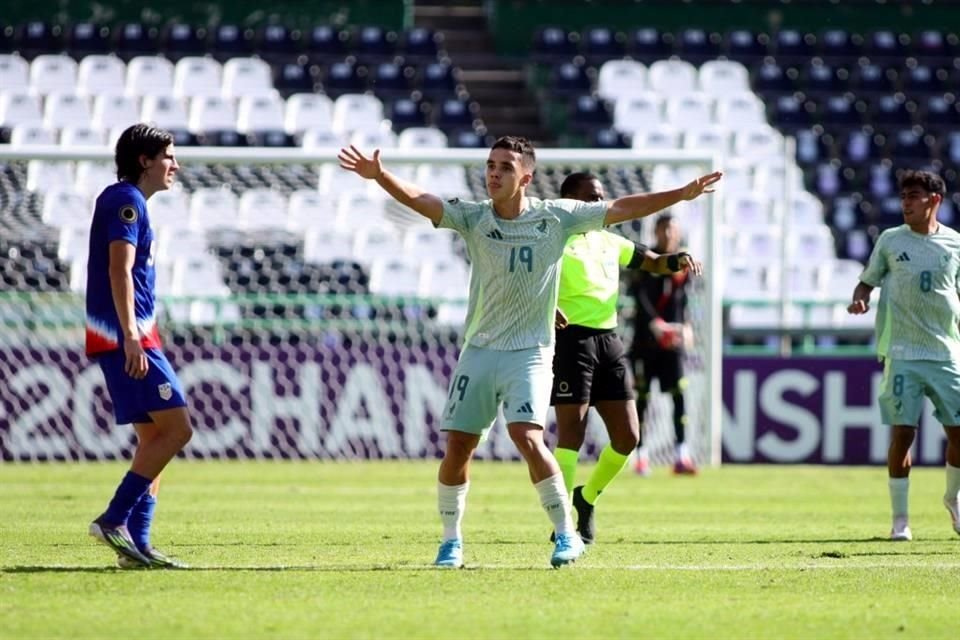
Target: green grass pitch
column 343, row 550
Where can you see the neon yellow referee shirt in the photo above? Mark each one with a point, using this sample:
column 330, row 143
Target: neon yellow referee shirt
column 590, row 278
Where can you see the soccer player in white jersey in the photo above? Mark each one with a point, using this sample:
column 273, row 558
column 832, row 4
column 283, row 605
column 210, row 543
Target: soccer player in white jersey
column 918, row 338
column 515, row 244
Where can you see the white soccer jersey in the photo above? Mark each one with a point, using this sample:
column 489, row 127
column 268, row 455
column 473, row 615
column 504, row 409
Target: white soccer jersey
column 516, row 265
column 919, row 309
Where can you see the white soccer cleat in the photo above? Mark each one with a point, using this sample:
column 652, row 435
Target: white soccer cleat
column 954, row 510
column 901, row 531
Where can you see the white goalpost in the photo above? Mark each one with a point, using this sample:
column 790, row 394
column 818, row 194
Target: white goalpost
column 336, row 434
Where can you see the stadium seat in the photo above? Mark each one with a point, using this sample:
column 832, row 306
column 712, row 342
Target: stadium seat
column 100, row 75
column 197, row 76
column 449, row 180
column 407, row 112
column 149, row 75
column 65, row 110
column 553, row 44
column 814, row 243
column 212, row 208
column 886, row 43
column 357, row 210
column 247, row 77
column 171, row 207
column 892, row 110
column 570, row 78
column 136, row 38
column 374, row 43
column 648, row 44
column 422, row 138
column 334, row 182
column 327, row 244
column 803, row 280
column 868, row 77
column 262, row 209
column 840, row 43
column 88, row 38
column 747, row 280
column 294, row 77
column 277, row 40
column 743, row 44
column 448, row 278
column 73, row 244
column 439, row 80
column 824, row 78
column 697, row 45
column 391, row 79
column 941, row 111
column 661, row 138
column 37, row 36
column 689, row 109
column 344, row 78
column 14, row 73
column 43, row 176
column 469, row 139
column 396, row 276
column 600, row 44
column 230, row 40
column 757, row 142
column 382, row 139
column 211, row 113
column 114, row 111
column 424, row 240
column 455, row 113
column 770, row 178
column 672, row 77
column 770, row 77
column 51, row 73
column 618, row 78
column 260, row 113
column 357, row 112
column 65, row 208
column 791, row 112
column 737, row 110
column 308, row 111
column 32, row 134
column 715, row 138
column 721, row 77
column 175, row 243
column 82, row 137
column 640, row 112
column 307, row 209
column 321, row 139
column 587, row 113
column 94, row 177
column 748, row 210
column 179, row 39
column 420, row 44
column 327, row 41
column 806, row 210
column 19, row 108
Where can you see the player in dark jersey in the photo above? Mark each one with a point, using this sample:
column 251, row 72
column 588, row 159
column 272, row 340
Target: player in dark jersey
column 591, row 366
column 660, row 336
column 122, row 338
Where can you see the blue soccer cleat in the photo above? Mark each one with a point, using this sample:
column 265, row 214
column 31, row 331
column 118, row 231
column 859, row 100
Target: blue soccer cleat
column 118, row 538
column 158, row 560
column 450, row 554
column 568, row 548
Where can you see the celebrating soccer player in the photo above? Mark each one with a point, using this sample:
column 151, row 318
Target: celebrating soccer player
column 918, row 340
column 516, row 244
column 661, row 335
column 590, row 366
column 122, row 337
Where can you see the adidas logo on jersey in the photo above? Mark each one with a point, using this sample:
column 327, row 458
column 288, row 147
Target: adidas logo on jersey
column 525, row 408
column 903, row 257
column 495, row 234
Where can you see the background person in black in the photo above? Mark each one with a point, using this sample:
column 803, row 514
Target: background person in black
column 660, row 336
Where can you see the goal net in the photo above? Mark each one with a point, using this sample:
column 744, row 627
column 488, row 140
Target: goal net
column 306, row 315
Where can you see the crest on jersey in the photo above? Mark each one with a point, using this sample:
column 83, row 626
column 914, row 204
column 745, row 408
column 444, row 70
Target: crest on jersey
column 453, row 200
column 128, row 214
column 542, row 227
column 165, row 391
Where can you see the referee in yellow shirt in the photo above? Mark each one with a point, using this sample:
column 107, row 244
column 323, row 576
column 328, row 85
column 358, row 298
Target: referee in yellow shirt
column 590, row 366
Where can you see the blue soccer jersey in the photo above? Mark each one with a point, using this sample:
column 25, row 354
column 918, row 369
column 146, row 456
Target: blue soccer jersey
column 120, row 214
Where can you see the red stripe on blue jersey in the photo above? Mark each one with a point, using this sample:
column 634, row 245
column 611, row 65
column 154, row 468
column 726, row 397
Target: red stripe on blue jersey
column 120, row 214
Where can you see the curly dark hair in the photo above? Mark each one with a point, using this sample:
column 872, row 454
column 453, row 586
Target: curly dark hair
column 573, row 181
column 519, row 144
column 138, row 140
column 926, row 180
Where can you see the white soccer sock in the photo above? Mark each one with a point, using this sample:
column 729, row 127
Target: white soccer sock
column 452, row 502
column 681, row 451
column 553, row 497
column 953, row 482
column 899, row 496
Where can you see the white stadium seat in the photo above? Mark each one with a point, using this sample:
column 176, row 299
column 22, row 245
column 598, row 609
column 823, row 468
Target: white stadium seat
column 422, row 138
column 356, row 210
column 722, row 77
column 212, row 113
column 149, row 75
column 739, row 109
column 618, row 78
column 427, row 241
column 18, row 107
column 664, row 137
column 43, row 176
column 170, row 207
column 395, row 276
column 73, row 244
column 94, row 177
column 30, row 134
column 672, row 77
column 307, row 208
column 262, row 209
column 713, row 138
column 53, row 72
column 114, row 111
column 197, row 76
column 357, row 112
column 689, row 109
column 82, row 137
column 321, row 139
column 326, row 244
column 639, row 112
column 380, row 139
column 260, row 113
column 65, row 110
column 101, row 75
column 14, row 72
column 164, row 111
column 813, row 243
column 757, row 143
column 308, row 111
column 746, row 210
column 247, row 77
column 63, row 208
column 212, row 208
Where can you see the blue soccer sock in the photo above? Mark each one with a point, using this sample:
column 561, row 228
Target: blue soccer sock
column 140, row 520
column 131, row 488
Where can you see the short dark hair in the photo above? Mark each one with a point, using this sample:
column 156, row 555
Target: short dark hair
column 926, row 180
column 573, row 181
column 520, row 145
column 664, row 219
column 135, row 141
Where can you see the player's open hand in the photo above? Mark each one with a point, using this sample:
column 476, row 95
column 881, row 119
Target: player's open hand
column 858, row 307
column 687, row 263
column 352, row 160
column 701, row 185
column 135, row 364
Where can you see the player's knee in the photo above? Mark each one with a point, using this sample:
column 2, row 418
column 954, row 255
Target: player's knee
column 625, row 441
column 183, row 433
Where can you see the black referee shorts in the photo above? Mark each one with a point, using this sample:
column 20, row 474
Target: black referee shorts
column 590, row 365
column 666, row 365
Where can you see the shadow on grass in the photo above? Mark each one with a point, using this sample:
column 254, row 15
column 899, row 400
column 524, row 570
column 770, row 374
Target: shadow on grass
column 333, row 568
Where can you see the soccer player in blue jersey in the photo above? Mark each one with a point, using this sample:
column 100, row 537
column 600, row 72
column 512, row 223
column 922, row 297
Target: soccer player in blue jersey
column 917, row 266
column 515, row 244
column 591, row 366
column 122, row 338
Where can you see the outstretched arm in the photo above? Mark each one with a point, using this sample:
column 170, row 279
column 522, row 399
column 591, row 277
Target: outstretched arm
column 426, row 204
column 861, row 299
column 644, row 204
column 666, row 263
